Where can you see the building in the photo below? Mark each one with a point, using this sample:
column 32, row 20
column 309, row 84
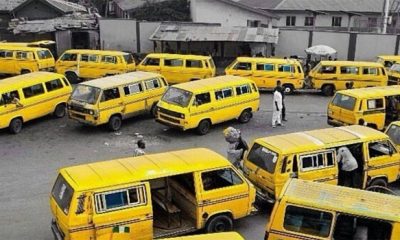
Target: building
column 338, row 15
column 231, row 13
column 124, row 8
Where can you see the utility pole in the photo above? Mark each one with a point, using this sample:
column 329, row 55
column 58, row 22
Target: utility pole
column 386, row 16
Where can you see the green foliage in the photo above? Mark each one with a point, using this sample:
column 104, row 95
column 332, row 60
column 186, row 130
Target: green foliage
column 170, row 10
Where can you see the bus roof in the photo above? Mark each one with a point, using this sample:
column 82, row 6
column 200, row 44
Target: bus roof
column 215, row 236
column 372, row 92
column 389, row 57
column 212, row 83
column 267, row 60
column 25, row 80
column 316, row 139
column 142, row 168
column 120, row 79
column 91, row 51
column 342, row 199
column 352, row 63
column 170, row 55
column 20, row 48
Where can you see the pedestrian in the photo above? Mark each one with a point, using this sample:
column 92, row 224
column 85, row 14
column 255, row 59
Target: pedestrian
column 139, row 151
column 277, row 109
column 280, row 88
column 15, row 100
column 236, row 146
column 349, row 167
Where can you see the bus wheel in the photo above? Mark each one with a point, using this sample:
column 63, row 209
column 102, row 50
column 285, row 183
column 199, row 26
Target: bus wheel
column 220, row 223
column 288, row 89
column 153, row 110
column 245, row 116
column 115, row 123
column 72, row 77
column 203, row 127
column 16, row 125
column 25, row 71
column 59, row 112
column 328, row 90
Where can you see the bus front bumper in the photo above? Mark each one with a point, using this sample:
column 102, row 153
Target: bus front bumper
column 58, row 235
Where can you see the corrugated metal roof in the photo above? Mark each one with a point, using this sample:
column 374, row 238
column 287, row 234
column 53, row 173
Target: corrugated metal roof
column 8, row 5
column 64, row 6
column 318, row 5
column 70, row 21
column 126, row 5
column 192, row 32
column 250, row 8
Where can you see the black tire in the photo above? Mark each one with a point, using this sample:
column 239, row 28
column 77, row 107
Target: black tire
column 115, row 123
column 60, row 111
column 288, row 89
column 16, row 125
column 72, row 77
column 328, row 90
column 203, row 127
column 245, row 116
column 153, row 110
column 220, row 223
column 378, row 182
column 25, row 71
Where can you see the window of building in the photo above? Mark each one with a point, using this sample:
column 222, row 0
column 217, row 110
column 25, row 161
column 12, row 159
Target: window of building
column 316, row 161
column 88, row 58
column 173, row 62
column 308, row 221
column 109, row 59
column 219, row 179
column 153, row 83
column 133, row 89
column 53, row 85
column 290, row 20
column 242, row 66
column 33, row 90
column 202, row 98
column 253, row 23
column 194, row 64
column 120, row 199
column 374, row 103
column 309, row 21
column 243, row 89
column 22, row 55
column 348, row 70
column 327, row 69
column 268, row 67
column 110, row 94
column 223, row 93
column 286, row 68
column 336, row 21
column 69, row 57
column 372, row 22
column 151, row 62
column 7, row 98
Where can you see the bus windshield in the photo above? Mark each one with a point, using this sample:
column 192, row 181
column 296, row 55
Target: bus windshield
column 263, row 157
column 86, row 94
column 62, row 193
column 177, row 96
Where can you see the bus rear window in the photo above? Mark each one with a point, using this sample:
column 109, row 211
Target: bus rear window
column 128, row 58
column 44, row 54
column 263, row 158
column 344, row 101
column 62, row 193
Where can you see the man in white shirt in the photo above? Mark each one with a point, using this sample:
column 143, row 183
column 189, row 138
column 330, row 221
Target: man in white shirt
column 277, row 109
column 349, row 166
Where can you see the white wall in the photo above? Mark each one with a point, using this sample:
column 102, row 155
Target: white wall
column 320, row 21
column 369, row 46
column 291, row 42
column 337, row 40
column 211, row 11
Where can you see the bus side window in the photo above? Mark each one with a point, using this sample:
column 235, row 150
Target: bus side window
column 295, row 168
column 284, row 165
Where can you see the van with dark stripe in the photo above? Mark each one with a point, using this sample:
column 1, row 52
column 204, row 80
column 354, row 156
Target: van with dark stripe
column 31, row 96
column 375, row 107
column 150, row 196
column 111, row 99
column 202, row 103
column 312, row 155
column 265, row 72
column 308, row 210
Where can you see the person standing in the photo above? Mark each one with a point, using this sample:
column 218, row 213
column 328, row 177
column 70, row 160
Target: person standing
column 280, row 88
column 277, row 109
column 139, row 151
column 349, row 167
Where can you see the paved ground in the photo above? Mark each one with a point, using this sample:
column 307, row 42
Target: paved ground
column 29, row 161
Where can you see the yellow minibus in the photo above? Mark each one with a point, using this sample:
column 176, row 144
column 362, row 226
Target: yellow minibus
column 388, row 60
column 82, row 64
column 331, row 76
column 265, row 72
column 15, row 60
column 111, row 99
column 206, row 102
column 150, row 196
column 375, row 107
column 179, row 68
column 312, row 155
column 310, row 210
column 30, row 96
